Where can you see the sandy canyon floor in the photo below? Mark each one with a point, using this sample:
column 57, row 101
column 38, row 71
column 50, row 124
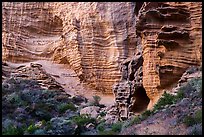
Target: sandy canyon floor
column 69, row 80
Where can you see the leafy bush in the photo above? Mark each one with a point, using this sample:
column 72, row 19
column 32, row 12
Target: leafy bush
column 135, row 120
column 166, row 99
column 65, row 106
column 196, row 83
column 31, row 129
column 83, row 119
column 109, row 129
column 101, row 126
column 198, row 116
column 145, row 114
column 102, row 113
column 14, row 99
column 43, row 115
column 116, row 127
column 180, row 94
column 12, row 130
column 5, row 89
column 48, row 125
column 191, row 120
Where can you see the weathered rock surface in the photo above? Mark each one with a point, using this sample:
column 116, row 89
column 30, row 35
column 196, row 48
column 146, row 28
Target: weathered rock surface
column 171, row 42
column 92, row 37
column 100, row 39
column 171, row 119
column 168, row 43
column 36, row 72
column 93, row 111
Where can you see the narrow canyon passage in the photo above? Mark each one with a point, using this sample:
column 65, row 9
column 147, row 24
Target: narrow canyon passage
column 69, row 80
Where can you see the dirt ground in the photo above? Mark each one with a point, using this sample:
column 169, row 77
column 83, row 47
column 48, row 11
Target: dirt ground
column 69, row 80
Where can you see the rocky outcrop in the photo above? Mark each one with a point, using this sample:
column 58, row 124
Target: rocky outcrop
column 171, row 42
column 93, row 111
column 129, row 92
column 92, row 37
column 170, row 35
column 95, row 38
column 171, row 117
column 33, row 71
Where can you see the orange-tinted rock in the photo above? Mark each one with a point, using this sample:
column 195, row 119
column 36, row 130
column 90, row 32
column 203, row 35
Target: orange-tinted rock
column 92, row 37
column 170, row 34
column 95, row 38
column 171, row 42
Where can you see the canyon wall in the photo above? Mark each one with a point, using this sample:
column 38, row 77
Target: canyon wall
column 171, row 40
column 93, row 37
column 143, row 47
column 170, row 34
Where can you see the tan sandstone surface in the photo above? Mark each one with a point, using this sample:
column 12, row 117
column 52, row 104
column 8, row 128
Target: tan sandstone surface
column 143, row 47
column 92, row 37
column 169, row 42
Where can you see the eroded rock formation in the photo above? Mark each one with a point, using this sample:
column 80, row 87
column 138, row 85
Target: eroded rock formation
column 92, row 37
column 170, row 35
column 152, row 42
column 171, row 42
column 33, row 71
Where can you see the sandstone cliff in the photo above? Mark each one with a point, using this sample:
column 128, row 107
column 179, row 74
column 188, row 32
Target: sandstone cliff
column 170, row 34
column 92, row 37
column 152, row 43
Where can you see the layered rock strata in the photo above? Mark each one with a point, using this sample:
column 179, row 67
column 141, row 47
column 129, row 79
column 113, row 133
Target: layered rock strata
column 33, row 71
column 171, row 42
column 92, row 37
column 170, row 35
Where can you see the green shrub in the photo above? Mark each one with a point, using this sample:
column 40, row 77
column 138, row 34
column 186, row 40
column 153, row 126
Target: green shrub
column 189, row 121
column 48, row 125
column 135, row 120
column 180, row 94
column 192, row 85
column 43, row 114
column 146, row 114
column 83, row 119
column 166, row 99
column 65, row 106
column 31, row 129
column 101, row 126
column 116, row 127
column 102, row 113
column 15, row 99
column 12, row 130
column 198, row 116
column 4, row 89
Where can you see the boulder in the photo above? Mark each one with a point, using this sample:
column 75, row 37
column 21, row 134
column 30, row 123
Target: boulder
column 92, row 111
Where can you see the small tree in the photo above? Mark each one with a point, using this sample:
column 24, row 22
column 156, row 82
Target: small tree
column 96, row 100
